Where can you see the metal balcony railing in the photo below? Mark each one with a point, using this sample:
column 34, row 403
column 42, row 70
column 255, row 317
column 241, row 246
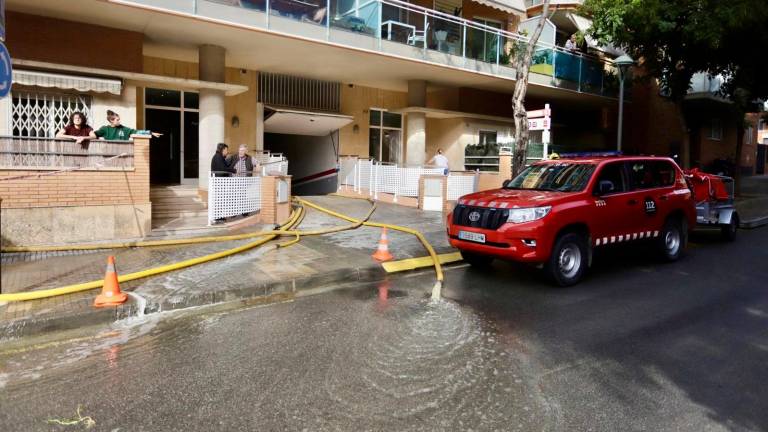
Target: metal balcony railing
column 21, row 153
column 407, row 30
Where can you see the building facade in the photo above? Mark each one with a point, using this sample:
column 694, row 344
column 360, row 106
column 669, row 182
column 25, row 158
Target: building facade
column 312, row 80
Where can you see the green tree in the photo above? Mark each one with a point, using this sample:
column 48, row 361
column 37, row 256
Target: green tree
column 673, row 40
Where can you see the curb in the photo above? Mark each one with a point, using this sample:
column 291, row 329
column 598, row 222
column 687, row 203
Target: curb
column 754, row 223
column 265, row 293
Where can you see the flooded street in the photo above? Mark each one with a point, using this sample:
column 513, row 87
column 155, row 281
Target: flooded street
column 374, row 358
column 637, row 346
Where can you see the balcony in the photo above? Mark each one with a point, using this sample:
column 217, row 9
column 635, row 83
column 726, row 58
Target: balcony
column 404, row 30
column 33, row 154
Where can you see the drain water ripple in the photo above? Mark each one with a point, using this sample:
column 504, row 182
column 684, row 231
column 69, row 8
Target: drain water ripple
column 431, row 362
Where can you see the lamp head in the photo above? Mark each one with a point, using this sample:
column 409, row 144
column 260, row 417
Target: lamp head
column 624, row 62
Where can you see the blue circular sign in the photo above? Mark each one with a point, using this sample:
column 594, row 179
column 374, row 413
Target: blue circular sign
column 5, row 71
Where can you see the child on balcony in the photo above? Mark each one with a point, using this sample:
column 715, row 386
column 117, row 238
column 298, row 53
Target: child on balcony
column 117, row 132
column 77, row 129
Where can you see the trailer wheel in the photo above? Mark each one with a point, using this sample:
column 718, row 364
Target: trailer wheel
column 728, row 232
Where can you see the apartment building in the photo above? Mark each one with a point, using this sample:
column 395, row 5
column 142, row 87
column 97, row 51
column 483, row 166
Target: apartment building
column 311, row 79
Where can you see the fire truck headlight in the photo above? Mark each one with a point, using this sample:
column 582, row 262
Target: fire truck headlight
column 521, row 215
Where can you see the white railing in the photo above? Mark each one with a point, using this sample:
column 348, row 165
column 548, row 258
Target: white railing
column 232, row 196
column 372, row 177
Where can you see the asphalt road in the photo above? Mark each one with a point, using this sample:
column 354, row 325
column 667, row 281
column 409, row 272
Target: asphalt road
column 637, row 346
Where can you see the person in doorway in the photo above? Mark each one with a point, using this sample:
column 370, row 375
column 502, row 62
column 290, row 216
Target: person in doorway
column 220, row 166
column 243, row 163
column 571, row 44
column 77, row 129
column 115, row 131
column 439, row 160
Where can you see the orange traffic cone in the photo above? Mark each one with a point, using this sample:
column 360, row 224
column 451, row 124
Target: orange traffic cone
column 382, row 253
column 110, row 294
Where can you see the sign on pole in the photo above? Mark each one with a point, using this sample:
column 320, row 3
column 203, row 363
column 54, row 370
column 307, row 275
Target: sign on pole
column 540, row 120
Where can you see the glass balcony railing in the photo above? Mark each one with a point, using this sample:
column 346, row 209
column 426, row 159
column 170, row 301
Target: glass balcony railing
column 407, row 30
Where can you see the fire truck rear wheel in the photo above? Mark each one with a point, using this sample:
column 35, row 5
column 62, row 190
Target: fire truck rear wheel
column 568, row 260
column 672, row 240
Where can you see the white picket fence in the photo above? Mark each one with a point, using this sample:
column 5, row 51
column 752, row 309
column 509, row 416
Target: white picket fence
column 377, row 177
column 234, row 195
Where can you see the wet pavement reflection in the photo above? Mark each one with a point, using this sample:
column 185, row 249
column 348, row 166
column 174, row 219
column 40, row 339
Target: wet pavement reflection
column 378, row 357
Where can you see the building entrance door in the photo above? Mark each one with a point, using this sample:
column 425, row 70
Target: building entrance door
column 173, row 158
column 165, row 151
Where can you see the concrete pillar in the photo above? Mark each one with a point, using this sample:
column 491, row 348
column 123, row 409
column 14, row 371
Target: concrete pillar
column 212, row 118
column 416, row 124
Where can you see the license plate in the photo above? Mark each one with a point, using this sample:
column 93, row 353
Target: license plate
column 471, row 236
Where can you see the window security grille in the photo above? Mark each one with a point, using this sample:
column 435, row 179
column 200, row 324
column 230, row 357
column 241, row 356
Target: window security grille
column 301, row 93
column 41, row 115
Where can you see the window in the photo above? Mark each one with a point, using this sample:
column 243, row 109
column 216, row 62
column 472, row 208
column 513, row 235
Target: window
column 41, row 115
column 749, row 134
column 559, row 177
column 487, row 138
column 384, row 136
column 612, row 177
column 716, row 129
column 651, row 174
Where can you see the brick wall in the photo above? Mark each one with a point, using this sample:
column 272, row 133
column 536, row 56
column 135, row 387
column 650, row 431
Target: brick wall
column 80, row 188
column 34, row 37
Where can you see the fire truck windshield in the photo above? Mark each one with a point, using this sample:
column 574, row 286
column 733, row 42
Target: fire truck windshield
column 556, row 177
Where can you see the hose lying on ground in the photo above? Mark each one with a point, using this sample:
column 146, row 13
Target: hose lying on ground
column 32, row 295
column 438, row 268
column 295, row 219
column 170, row 242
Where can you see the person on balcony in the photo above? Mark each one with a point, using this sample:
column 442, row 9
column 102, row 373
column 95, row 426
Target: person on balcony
column 243, row 163
column 439, row 160
column 220, row 166
column 77, row 129
column 571, row 44
column 116, row 131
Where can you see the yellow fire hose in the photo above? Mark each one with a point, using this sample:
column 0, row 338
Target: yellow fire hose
column 438, row 268
column 169, row 242
column 32, row 295
column 296, row 217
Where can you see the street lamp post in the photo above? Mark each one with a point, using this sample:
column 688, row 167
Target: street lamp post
column 624, row 63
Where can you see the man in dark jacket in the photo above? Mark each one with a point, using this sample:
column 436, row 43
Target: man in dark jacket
column 219, row 165
column 242, row 162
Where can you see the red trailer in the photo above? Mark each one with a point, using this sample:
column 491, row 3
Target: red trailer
column 714, row 201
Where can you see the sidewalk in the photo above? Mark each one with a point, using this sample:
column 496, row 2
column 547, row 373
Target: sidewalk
column 256, row 274
column 752, row 204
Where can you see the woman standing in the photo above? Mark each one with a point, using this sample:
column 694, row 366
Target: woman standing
column 77, row 129
column 220, row 167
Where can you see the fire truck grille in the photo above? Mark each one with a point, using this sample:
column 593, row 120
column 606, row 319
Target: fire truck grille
column 479, row 217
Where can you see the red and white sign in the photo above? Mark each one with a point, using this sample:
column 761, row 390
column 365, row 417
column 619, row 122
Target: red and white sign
column 538, row 124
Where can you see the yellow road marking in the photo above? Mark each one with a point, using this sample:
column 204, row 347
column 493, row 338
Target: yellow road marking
column 414, row 263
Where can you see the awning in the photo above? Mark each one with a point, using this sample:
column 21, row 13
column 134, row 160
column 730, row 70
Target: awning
column 284, row 121
column 508, row 6
column 67, row 82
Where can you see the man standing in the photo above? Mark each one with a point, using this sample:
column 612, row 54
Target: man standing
column 440, row 161
column 243, row 162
